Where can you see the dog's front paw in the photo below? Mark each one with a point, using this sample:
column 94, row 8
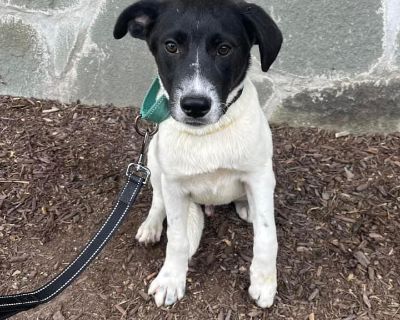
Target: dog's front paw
column 150, row 231
column 263, row 288
column 168, row 287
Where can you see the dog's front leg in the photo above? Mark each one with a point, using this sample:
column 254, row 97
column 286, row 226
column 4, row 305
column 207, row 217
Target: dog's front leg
column 151, row 229
column 169, row 286
column 260, row 187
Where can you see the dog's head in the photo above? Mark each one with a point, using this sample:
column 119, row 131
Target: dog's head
column 202, row 50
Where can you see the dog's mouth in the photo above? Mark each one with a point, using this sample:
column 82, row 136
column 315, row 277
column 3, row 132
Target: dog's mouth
column 192, row 122
column 195, row 123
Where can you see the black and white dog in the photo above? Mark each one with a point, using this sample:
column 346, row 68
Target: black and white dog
column 216, row 148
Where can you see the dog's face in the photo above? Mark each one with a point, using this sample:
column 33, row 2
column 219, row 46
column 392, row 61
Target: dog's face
column 202, row 50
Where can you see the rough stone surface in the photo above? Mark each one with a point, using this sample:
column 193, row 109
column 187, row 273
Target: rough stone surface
column 122, row 69
column 358, row 108
column 326, row 36
column 21, row 59
column 398, row 50
column 265, row 90
column 41, row 4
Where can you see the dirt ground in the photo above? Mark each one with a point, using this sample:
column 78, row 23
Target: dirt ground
column 337, row 209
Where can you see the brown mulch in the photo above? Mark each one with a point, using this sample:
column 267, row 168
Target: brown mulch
column 337, row 209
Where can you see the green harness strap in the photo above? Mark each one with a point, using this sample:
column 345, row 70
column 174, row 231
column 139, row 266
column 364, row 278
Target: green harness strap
column 153, row 109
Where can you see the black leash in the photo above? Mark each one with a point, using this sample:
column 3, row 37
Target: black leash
column 137, row 176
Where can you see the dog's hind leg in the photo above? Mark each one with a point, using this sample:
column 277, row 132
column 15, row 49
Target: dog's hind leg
column 195, row 227
column 243, row 209
column 151, row 229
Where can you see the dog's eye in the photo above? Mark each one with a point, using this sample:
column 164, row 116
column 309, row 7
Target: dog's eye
column 171, row 47
column 224, row 50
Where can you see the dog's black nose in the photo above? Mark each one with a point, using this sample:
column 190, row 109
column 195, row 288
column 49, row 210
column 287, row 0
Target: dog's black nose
column 196, row 107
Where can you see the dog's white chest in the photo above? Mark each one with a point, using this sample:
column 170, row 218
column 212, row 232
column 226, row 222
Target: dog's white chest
column 208, row 163
column 216, row 188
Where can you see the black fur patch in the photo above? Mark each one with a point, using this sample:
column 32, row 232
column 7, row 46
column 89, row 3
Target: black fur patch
column 199, row 28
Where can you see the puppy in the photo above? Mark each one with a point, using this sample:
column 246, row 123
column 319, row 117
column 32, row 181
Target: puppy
column 216, row 147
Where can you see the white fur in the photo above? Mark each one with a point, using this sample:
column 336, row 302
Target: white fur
column 232, row 95
column 228, row 161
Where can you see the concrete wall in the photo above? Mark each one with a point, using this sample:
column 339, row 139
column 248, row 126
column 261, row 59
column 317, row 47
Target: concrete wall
column 340, row 59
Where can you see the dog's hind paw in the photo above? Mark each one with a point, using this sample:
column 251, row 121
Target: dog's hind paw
column 168, row 288
column 150, row 231
column 263, row 290
column 243, row 210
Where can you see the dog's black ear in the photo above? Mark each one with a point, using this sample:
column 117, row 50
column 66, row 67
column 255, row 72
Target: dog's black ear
column 264, row 32
column 138, row 19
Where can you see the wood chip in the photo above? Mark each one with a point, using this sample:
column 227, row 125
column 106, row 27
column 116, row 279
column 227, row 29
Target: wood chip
column 362, row 187
column 58, row 316
column 373, row 150
column 342, row 134
column 151, row 276
column 16, row 273
column 349, row 174
column 14, row 181
column 319, row 271
column 362, row 258
column 366, row 300
column 371, row 273
column 53, row 109
column 254, row 313
column 144, row 295
column 120, row 309
column 210, row 259
column 376, row 236
column 313, row 295
column 20, row 258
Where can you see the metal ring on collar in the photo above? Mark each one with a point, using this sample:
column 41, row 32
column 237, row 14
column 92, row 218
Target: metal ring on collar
column 142, row 128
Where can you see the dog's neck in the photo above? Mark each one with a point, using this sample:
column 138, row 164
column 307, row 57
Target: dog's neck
column 235, row 94
column 246, row 102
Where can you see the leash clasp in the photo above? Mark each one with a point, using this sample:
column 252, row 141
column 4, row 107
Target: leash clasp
column 141, row 169
column 141, row 130
column 146, row 133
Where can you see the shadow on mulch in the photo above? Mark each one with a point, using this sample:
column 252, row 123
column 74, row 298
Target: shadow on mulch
column 337, row 209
